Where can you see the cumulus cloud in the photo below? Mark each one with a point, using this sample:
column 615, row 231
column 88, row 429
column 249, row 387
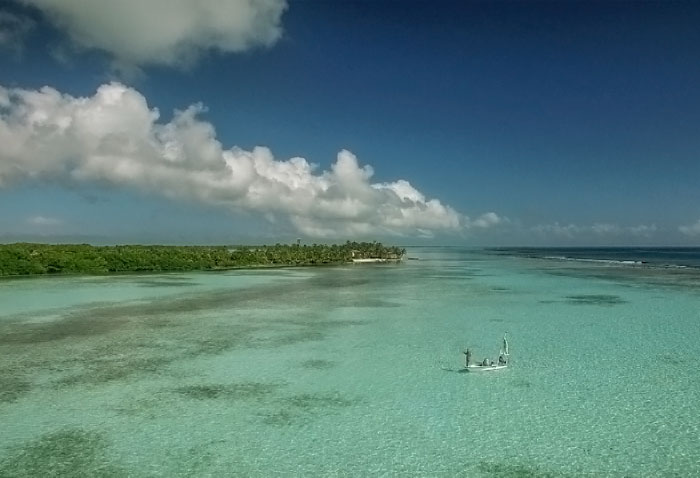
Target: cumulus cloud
column 691, row 229
column 603, row 229
column 487, row 220
column 165, row 32
column 643, row 230
column 114, row 138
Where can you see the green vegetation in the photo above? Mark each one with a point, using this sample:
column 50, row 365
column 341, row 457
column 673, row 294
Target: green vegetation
column 26, row 259
column 67, row 453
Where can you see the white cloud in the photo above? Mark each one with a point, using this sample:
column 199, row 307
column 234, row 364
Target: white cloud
column 165, row 32
column 42, row 221
column 487, row 220
column 643, row 230
column 113, row 137
column 691, row 229
column 603, row 229
column 556, row 229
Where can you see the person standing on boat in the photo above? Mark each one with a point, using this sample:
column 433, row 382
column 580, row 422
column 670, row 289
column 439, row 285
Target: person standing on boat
column 503, row 356
column 468, row 354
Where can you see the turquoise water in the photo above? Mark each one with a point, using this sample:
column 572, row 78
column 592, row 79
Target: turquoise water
column 353, row 371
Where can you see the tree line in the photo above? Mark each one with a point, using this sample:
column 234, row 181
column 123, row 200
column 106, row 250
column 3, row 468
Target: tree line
column 28, row 258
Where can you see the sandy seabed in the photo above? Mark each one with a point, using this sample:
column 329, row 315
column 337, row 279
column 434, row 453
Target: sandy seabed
column 351, row 371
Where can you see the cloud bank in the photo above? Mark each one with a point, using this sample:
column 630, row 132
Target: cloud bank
column 599, row 229
column 43, row 221
column 691, row 230
column 165, row 32
column 114, row 138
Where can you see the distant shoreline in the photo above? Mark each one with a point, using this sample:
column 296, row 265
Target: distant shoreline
column 687, row 257
column 29, row 259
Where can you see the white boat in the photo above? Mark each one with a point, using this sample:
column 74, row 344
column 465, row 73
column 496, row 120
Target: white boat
column 485, row 368
column 489, row 365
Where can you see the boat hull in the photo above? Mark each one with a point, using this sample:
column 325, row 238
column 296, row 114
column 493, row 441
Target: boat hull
column 485, row 368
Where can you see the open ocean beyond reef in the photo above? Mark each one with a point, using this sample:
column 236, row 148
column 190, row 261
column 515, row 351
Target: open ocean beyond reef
column 357, row 370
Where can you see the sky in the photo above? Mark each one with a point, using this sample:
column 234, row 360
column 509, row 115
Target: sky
column 415, row 122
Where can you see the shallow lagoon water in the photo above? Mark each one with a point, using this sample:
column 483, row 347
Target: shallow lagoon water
column 353, row 371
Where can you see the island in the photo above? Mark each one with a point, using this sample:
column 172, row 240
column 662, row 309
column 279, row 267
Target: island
column 30, row 259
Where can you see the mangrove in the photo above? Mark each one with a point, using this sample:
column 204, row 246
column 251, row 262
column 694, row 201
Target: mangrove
column 29, row 258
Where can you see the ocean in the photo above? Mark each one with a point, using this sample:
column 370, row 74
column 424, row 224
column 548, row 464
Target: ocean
column 358, row 370
column 670, row 257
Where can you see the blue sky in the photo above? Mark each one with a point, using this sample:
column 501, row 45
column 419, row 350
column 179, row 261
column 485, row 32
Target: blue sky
column 482, row 123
